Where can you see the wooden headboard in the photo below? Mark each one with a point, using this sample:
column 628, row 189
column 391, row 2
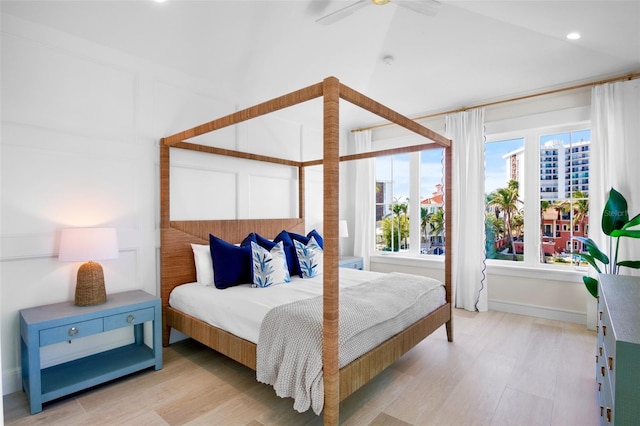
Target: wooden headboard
column 178, row 266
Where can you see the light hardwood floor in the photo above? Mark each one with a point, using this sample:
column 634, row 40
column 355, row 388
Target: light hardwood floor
column 502, row 369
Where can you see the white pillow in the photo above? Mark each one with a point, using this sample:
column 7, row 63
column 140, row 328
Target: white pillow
column 204, row 264
column 269, row 267
column 310, row 257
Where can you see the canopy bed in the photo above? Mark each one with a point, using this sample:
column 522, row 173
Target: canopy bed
column 178, row 236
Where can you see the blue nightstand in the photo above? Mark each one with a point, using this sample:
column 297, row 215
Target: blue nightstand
column 350, row 262
column 45, row 325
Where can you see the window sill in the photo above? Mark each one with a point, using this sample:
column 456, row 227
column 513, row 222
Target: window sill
column 558, row 273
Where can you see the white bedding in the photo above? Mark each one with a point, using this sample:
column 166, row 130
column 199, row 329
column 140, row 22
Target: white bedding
column 241, row 309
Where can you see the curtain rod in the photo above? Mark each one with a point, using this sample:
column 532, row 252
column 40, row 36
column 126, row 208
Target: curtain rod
column 631, row 76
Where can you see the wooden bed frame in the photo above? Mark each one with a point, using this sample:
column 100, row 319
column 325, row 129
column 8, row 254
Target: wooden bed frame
column 177, row 265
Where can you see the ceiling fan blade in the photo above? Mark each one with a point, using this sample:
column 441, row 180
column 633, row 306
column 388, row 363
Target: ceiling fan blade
column 343, row 12
column 425, row 7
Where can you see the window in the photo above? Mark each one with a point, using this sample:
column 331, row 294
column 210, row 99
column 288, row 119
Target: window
column 537, row 184
column 401, row 179
column 504, row 214
column 392, row 203
column 569, row 207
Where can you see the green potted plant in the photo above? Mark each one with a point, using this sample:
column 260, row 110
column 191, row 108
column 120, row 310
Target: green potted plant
column 615, row 224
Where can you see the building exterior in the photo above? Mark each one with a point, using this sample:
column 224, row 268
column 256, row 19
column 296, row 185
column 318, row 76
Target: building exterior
column 564, row 170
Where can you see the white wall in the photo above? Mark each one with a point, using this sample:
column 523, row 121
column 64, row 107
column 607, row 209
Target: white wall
column 79, row 147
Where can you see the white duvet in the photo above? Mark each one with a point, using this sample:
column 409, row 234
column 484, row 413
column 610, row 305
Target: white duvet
column 241, row 309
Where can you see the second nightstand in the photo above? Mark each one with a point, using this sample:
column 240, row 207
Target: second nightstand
column 350, row 262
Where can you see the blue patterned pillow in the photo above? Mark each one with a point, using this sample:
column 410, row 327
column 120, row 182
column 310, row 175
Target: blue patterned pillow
column 310, row 257
column 269, row 267
column 289, row 249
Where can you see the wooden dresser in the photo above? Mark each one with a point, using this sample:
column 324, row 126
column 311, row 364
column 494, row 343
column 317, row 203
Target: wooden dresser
column 618, row 350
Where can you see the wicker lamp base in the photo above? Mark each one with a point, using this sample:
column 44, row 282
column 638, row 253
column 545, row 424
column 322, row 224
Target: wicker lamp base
column 90, row 288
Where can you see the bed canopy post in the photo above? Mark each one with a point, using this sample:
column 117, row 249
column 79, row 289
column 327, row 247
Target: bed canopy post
column 331, row 173
column 448, row 223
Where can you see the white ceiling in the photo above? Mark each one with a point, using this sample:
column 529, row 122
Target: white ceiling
column 468, row 53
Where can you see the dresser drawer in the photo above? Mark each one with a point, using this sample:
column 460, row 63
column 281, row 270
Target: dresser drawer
column 70, row 331
column 125, row 319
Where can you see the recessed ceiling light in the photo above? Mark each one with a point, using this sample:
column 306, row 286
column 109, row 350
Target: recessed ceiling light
column 573, row 36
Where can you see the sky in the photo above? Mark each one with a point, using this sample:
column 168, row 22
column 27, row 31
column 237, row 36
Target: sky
column 396, row 168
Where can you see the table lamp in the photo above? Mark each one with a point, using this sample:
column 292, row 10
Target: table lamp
column 88, row 245
column 343, row 232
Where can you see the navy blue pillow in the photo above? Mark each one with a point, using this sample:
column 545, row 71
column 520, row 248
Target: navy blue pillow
column 305, row 240
column 260, row 240
column 231, row 263
column 313, row 233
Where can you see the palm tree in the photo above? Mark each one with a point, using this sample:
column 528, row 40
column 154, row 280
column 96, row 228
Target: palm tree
column 436, row 222
column 400, row 208
column 506, row 200
column 424, row 221
column 544, row 206
column 580, row 209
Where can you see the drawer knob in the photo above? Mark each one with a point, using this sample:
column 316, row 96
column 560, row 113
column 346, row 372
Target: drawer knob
column 600, row 313
column 73, row 331
column 130, row 318
column 609, row 414
column 601, row 351
column 610, row 362
column 602, row 370
column 604, row 330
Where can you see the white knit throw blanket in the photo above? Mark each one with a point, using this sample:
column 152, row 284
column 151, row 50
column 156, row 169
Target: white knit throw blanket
column 289, row 351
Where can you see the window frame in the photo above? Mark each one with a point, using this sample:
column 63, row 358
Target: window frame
column 413, row 212
column 531, row 137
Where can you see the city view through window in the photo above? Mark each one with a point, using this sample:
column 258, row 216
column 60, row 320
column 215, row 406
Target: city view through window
column 395, row 207
column 561, row 203
column 559, row 207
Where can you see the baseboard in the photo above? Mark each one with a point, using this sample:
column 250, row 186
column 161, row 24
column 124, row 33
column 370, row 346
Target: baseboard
column 11, row 381
column 539, row 311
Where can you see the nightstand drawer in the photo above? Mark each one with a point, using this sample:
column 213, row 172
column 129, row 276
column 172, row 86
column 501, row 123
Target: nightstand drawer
column 71, row 331
column 128, row 318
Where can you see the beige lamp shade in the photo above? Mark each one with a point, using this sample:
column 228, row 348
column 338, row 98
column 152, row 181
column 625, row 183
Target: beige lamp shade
column 88, row 245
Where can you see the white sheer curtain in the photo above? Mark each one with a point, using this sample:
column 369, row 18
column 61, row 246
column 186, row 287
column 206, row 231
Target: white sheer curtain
column 365, row 192
column 466, row 129
column 615, row 156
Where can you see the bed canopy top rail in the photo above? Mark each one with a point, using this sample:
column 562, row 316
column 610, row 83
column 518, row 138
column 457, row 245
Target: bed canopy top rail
column 332, row 91
column 364, row 102
column 275, row 104
column 304, row 95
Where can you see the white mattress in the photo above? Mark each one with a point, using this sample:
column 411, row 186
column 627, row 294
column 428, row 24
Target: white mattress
column 241, row 309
